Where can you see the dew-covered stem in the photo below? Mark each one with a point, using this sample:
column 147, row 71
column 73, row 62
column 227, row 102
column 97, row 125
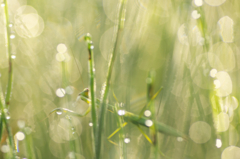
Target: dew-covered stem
column 92, row 84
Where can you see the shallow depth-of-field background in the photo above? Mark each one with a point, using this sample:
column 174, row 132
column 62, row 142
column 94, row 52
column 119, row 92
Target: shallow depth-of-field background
column 192, row 46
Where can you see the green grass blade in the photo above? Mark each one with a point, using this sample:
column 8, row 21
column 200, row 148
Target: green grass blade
column 4, row 115
column 110, row 68
column 8, row 48
column 160, row 127
column 92, row 84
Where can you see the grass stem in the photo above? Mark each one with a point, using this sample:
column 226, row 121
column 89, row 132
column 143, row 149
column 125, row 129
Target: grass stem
column 109, row 73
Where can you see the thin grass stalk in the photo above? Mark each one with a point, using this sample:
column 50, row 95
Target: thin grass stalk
column 121, row 133
column 110, row 68
column 8, row 48
column 5, row 121
column 29, row 146
column 92, row 84
column 65, row 83
column 8, row 51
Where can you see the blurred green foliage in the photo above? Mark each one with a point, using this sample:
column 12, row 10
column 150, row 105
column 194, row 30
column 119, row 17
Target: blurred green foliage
column 183, row 41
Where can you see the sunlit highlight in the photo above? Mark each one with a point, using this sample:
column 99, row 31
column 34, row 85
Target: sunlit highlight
column 121, row 112
column 213, row 73
column 20, row 136
column 218, row 143
column 198, row 2
column 195, row 14
column 60, row 92
column 127, row 140
column 148, row 123
column 147, row 113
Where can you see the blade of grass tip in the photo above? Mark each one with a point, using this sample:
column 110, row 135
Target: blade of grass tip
column 92, row 84
column 5, row 118
column 120, row 26
column 8, row 49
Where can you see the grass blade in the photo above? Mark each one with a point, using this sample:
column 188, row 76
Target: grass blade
column 110, row 68
column 91, row 70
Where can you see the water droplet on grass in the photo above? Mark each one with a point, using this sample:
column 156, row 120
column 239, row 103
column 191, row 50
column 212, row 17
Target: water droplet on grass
column 59, row 112
column 147, row 113
column 126, row 140
column 12, row 36
column 148, row 123
column 2, row 4
column 60, row 92
column 218, row 143
column 20, row 136
column 13, row 56
column 121, row 112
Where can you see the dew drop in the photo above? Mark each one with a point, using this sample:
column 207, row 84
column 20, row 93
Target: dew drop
column 13, row 56
column 147, row 113
column 59, row 112
column 2, row 4
column 92, row 47
column 5, row 148
column 60, row 92
column 8, row 117
column 213, row 73
column 121, row 112
column 90, row 124
column 148, row 123
column 61, row 48
column 195, row 14
column 126, row 140
column 198, row 2
column 218, row 143
column 12, row 36
column 20, row 136
column 10, row 25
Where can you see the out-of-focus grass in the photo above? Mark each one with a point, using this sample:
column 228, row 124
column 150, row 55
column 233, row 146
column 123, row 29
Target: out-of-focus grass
column 193, row 49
